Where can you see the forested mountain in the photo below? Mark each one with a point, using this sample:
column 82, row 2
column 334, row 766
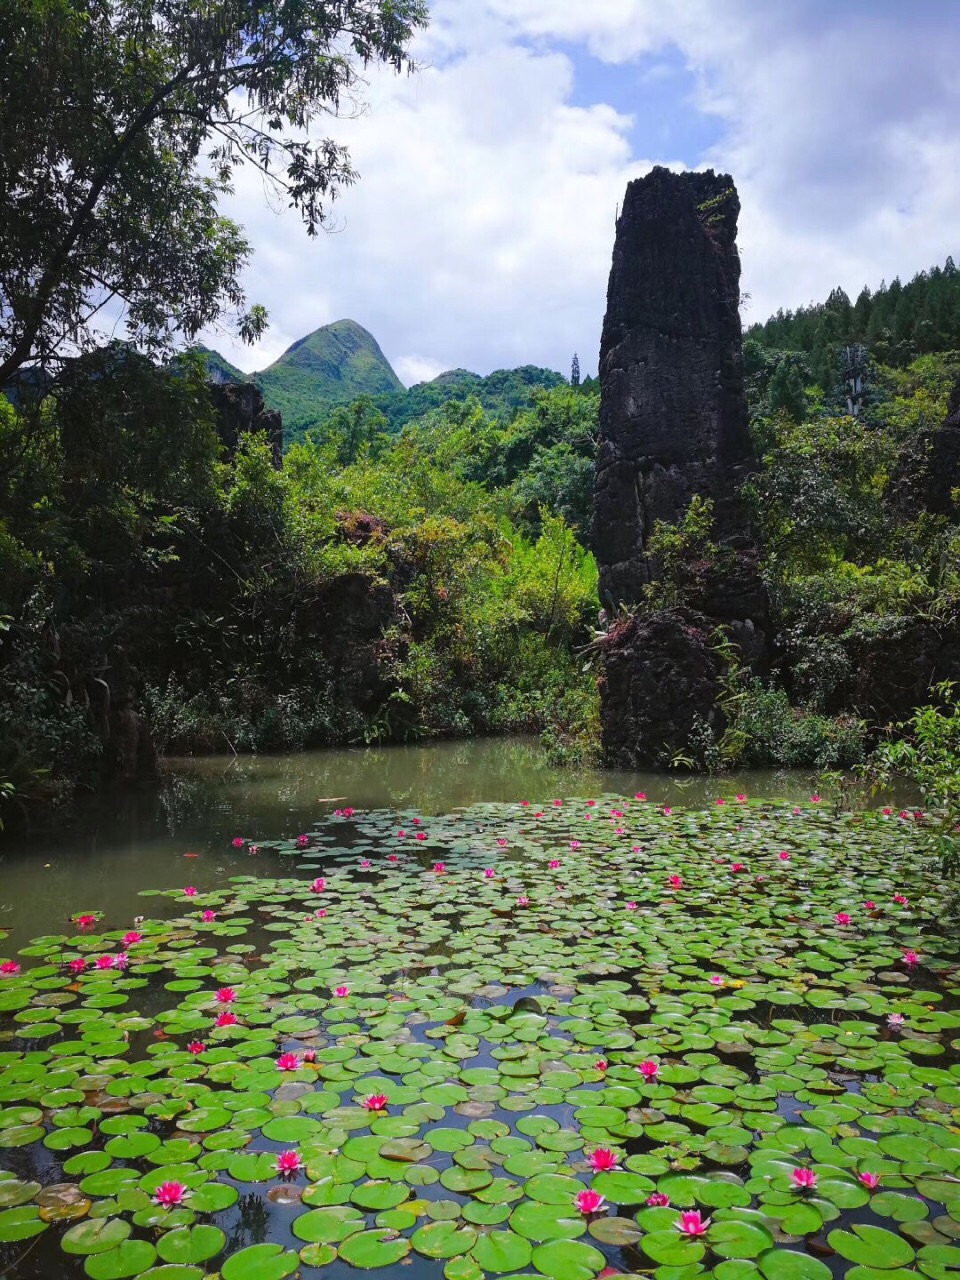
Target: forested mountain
column 501, row 393
column 897, row 322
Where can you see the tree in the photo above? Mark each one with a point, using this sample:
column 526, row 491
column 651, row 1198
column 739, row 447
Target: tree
column 122, row 123
column 575, row 371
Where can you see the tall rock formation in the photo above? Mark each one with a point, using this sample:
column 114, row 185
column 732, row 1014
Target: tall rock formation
column 673, row 425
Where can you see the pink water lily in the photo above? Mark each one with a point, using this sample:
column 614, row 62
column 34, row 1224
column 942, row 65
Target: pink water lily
column 238, row 842
column 417, row 821
column 719, row 800
column 121, row 961
column 171, row 1194
column 226, row 1020
column 393, row 857
column 556, row 803
column 842, row 918
column 76, row 966
column 554, row 864
column 85, row 921
column 657, row 1200
column 603, row 1159
column 632, row 906
column 132, row 938
column 502, row 842
column 589, row 1202
column 489, row 873
column 420, row 835
column 649, row 1069
column 869, row 905
column 9, row 969
column 815, row 798
column 574, row 844
column 375, row 1102
column 783, row 855
column 803, row 1179
column 741, row 797
column 911, row 959
column 895, row 1019
column 106, row 962
column 524, row 804
column 796, row 812
column 302, row 841
column 675, row 882
column 190, row 891
column 715, row 980
column 196, row 1046
column 226, row 995
column 318, row 885
column 341, row 992
column 365, row 864
column 900, row 900
column 309, row 1055
column 738, row 866
column 887, row 811
column 440, row 868
column 639, row 795
column 288, row 1062
column 667, row 811
column 401, row 835
column 523, row 901
column 208, row 916
column 870, row 1180
column 289, row 1164
column 321, row 914
column 690, row 1223
column 601, row 1064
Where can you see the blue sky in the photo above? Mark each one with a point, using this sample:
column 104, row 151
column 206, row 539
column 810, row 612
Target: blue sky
column 481, row 229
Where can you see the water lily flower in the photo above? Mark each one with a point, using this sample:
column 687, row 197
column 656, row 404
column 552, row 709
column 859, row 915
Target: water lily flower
column 803, row 1179
column 895, row 1019
column 417, row 821
column 538, row 815
column 401, row 835
column 208, row 916
column 869, row 905
column 675, row 882
column 524, row 804
column 341, row 992
column 738, row 866
column 783, row 855
column 365, row 864
column 523, row 901
column 603, row 1159
column 903, row 814
column 78, row 965
column 556, row 803
column 288, row 1062
column 393, row 857
column 238, row 842
column 84, row 921
column 910, row 958
column 796, row 812
column 502, row 842
column 289, row 1163
column 719, row 800
column 715, row 980
column 121, row 961
column 632, row 906
column 601, row 1064
column 106, row 962
column 489, row 873
column 170, row 1194
column 196, row 1046
column 302, row 841
column 649, row 1069
column 190, row 891
column 815, row 798
column 318, row 885
column 740, row 797
column 639, row 795
column 9, row 968
column 589, row 1202
column 440, row 868
column 690, row 1223
column 554, row 864
column 574, row 844
column 870, row 1180
column 667, row 811
column 375, row 1102
column 900, row 900
column 842, row 918
column 591, row 804
column 348, row 813
column 886, row 812
column 321, row 914
column 657, row 1200
column 226, row 1020
column 226, row 995
column 620, row 831
column 132, row 938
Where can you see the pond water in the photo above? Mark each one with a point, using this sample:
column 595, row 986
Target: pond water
column 137, row 839
column 450, row 1022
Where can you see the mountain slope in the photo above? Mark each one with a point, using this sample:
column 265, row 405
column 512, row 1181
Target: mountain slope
column 333, row 365
column 501, row 393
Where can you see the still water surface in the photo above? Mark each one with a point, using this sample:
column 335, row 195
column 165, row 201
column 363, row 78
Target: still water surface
column 126, row 841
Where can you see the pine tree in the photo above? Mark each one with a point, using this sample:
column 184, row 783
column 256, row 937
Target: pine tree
column 575, row 371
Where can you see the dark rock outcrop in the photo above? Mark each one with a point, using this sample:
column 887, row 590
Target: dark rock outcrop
column 660, row 683
column 239, row 408
column 673, row 426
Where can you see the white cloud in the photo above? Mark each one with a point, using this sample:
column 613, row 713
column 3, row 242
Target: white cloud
column 413, row 369
column 481, row 230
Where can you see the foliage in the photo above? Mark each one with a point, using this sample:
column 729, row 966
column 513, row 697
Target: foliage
column 682, row 554
column 136, row 118
column 927, row 752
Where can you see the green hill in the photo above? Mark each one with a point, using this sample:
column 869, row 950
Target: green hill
column 219, row 368
column 333, row 365
column 502, row 393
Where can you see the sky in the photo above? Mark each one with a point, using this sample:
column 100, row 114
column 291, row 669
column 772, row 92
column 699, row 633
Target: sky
column 480, row 232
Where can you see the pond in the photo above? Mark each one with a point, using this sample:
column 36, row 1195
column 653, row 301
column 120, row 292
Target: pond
column 537, row 1036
